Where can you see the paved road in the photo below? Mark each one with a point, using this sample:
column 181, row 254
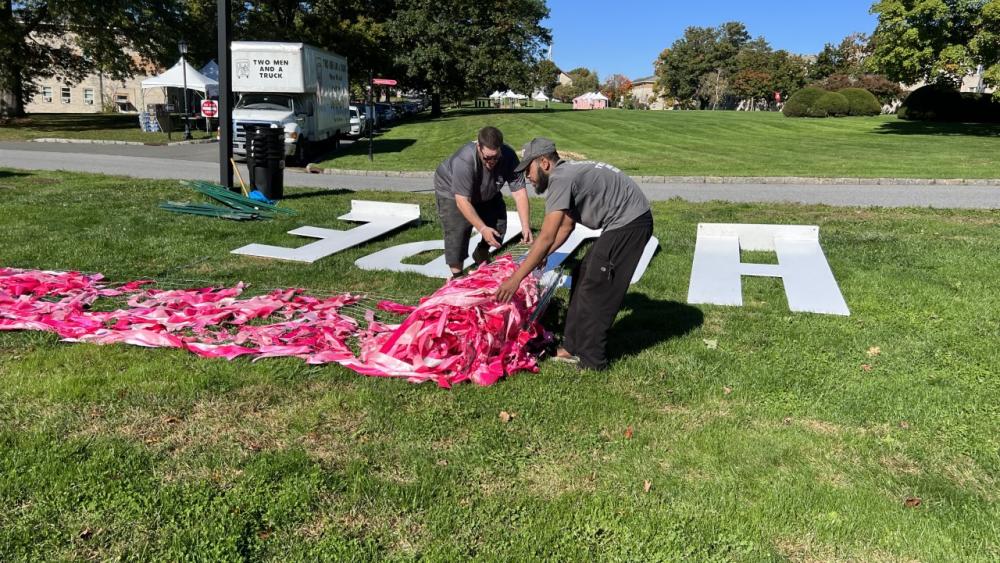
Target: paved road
column 199, row 162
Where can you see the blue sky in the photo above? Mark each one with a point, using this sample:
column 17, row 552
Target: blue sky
column 625, row 37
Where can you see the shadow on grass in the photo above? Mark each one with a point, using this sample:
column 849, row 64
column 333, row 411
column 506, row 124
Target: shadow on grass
column 648, row 323
column 903, row 127
column 318, row 193
column 12, row 174
column 76, row 122
column 381, row 146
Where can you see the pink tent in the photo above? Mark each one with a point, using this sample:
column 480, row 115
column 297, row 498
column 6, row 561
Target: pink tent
column 590, row 100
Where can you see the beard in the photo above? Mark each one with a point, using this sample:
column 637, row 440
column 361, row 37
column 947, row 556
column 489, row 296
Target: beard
column 543, row 182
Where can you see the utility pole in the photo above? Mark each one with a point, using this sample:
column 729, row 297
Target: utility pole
column 371, row 108
column 225, row 30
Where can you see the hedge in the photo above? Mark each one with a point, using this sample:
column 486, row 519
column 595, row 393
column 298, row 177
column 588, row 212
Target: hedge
column 831, row 104
column 817, row 102
column 862, row 102
column 800, row 103
column 939, row 103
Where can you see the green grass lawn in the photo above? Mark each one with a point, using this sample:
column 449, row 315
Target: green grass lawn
column 99, row 126
column 697, row 143
column 719, row 434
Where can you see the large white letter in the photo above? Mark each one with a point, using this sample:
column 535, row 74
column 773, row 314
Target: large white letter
column 580, row 234
column 379, row 218
column 717, row 270
column 392, row 258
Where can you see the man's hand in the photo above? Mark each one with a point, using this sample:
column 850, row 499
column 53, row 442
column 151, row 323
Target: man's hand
column 526, row 236
column 491, row 236
column 507, row 290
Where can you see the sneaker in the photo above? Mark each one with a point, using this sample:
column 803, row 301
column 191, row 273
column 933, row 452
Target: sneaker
column 481, row 255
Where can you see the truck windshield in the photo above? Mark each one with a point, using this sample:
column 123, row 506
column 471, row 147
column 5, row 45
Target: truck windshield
column 266, row 101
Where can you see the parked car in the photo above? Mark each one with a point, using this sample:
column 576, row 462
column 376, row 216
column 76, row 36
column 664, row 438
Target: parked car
column 385, row 113
column 359, row 124
column 372, row 122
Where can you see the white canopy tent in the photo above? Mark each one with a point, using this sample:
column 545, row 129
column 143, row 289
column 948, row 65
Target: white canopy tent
column 175, row 77
column 540, row 96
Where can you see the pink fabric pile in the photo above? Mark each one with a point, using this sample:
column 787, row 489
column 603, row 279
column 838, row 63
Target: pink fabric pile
column 459, row 333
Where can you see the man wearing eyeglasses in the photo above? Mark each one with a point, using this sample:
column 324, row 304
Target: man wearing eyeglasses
column 467, row 188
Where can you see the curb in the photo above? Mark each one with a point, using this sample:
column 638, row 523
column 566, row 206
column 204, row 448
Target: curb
column 133, row 143
column 801, row 180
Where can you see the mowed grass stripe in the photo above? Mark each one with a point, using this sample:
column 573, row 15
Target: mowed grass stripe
column 704, row 143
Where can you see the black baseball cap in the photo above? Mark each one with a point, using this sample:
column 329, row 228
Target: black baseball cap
column 539, row 146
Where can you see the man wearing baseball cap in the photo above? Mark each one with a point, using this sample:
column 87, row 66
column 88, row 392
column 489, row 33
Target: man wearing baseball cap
column 467, row 188
column 598, row 196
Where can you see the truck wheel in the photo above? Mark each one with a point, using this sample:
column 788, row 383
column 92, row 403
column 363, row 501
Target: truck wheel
column 336, row 141
column 301, row 156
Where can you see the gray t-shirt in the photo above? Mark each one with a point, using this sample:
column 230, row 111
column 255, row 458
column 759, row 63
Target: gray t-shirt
column 463, row 174
column 596, row 195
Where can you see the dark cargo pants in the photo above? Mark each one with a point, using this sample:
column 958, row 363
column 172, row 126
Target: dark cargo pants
column 599, row 286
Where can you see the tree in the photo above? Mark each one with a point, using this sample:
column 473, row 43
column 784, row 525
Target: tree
column 616, row 87
column 450, row 47
column 789, row 72
column 847, row 58
column 584, row 80
column 885, row 90
column 700, row 51
column 69, row 40
column 937, row 41
column 545, row 77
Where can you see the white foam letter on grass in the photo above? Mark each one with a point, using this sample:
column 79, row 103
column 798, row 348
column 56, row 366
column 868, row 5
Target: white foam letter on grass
column 391, row 258
column 717, row 271
column 379, row 218
column 578, row 236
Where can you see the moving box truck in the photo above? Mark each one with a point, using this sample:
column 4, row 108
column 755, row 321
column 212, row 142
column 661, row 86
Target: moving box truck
column 297, row 87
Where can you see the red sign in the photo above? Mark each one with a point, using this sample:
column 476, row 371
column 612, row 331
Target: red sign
column 384, row 82
column 209, row 108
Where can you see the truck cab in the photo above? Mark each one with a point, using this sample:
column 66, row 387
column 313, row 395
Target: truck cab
column 292, row 86
column 287, row 111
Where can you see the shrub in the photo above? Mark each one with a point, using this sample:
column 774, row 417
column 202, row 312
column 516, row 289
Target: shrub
column 932, row 103
column 884, row 90
column 980, row 108
column 832, row 104
column 861, row 101
column 800, row 103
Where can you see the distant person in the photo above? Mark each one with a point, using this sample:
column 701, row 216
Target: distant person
column 598, row 196
column 467, row 188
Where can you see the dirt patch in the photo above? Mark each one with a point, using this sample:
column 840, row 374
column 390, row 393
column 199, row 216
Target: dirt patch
column 250, row 420
column 805, row 549
column 898, row 463
column 572, row 155
column 823, row 427
column 551, row 477
column 967, row 474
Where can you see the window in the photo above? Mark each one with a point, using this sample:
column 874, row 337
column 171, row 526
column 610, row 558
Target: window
column 88, row 96
column 47, row 94
column 66, row 97
column 121, row 98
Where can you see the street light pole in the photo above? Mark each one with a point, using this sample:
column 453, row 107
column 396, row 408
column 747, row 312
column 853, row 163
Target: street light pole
column 183, row 48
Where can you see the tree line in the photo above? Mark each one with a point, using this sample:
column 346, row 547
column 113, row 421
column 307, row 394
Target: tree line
column 938, row 42
column 454, row 49
column 447, row 48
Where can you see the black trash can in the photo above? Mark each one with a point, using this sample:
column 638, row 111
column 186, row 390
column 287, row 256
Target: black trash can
column 266, row 159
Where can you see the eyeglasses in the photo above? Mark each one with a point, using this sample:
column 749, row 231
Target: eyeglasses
column 489, row 158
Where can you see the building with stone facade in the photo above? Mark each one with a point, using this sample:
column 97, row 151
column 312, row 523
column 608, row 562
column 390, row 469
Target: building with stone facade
column 643, row 91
